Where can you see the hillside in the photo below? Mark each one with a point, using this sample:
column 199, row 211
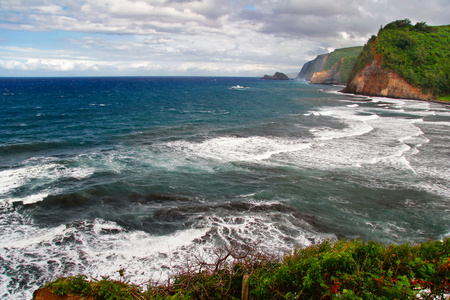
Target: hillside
column 404, row 61
column 331, row 68
column 345, row 269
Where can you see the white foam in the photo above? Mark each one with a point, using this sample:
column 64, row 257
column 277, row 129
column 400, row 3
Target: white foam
column 98, row 248
column 30, row 199
column 439, row 123
column 38, row 176
column 235, row 149
column 28, row 236
column 138, row 244
column 366, row 139
column 356, row 124
column 94, row 250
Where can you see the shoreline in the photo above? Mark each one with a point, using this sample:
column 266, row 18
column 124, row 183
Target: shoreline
column 381, row 96
column 422, row 100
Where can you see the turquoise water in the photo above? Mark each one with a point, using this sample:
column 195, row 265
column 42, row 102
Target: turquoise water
column 146, row 173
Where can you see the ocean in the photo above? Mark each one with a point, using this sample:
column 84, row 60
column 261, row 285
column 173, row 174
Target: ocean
column 146, row 174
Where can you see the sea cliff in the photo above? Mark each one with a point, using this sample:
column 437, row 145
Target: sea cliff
column 316, row 65
column 375, row 80
column 330, row 68
column 404, row 61
column 331, row 76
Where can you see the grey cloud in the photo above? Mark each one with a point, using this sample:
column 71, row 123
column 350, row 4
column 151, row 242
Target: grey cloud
column 328, row 18
column 319, row 50
column 322, row 8
column 272, row 34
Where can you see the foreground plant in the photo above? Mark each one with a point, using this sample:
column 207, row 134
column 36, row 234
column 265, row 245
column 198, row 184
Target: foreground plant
column 349, row 270
column 358, row 270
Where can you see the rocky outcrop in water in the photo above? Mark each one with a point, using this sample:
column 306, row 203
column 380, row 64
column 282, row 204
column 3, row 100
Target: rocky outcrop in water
column 374, row 80
column 276, row 76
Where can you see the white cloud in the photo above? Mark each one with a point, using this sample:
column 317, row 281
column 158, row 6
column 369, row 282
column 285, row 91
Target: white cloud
column 194, row 36
column 62, row 65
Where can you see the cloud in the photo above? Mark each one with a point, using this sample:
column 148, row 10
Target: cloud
column 59, row 65
column 357, row 19
column 192, row 36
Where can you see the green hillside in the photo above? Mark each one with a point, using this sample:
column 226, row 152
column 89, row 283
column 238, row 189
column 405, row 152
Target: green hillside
column 341, row 53
column 349, row 56
column 325, row 62
column 345, row 269
column 419, row 53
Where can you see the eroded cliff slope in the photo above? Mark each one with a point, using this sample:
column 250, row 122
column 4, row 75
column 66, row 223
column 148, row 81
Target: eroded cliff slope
column 331, row 68
column 316, row 65
column 404, row 61
column 374, row 80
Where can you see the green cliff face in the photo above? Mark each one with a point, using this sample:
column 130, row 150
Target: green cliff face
column 339, row 63
column 418, row 53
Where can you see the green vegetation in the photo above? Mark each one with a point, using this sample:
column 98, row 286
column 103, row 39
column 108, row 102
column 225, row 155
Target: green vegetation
column 348, row 56
column 98, row 289
column 337, row 54
column 444, row 98
column 349, row 270
column 418, row 53
column 346, row 68
column 366, row 56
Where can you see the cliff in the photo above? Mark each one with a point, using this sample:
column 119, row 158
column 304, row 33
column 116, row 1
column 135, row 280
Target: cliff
column 331, row 68
column 313, row 66
column 305, row 70
column 404, row 61
column 331, row 76
column 374, row 80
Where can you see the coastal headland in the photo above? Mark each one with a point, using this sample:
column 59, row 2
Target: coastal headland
column 401, row 61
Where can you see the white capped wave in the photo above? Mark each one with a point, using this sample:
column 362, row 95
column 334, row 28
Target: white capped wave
column 31, row 198
column 237, row 149
column 97, row 248
column 366, row 139
column 263, row 232
column 100, row 248
column 356, row 125
column 36, row 177
column 438, row 123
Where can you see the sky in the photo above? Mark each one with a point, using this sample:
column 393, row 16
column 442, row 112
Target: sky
column 190, row 37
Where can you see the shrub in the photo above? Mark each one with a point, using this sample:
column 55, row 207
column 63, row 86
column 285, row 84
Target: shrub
column 345, row 269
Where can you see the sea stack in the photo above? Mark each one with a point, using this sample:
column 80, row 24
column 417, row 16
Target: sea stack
column 276, row 76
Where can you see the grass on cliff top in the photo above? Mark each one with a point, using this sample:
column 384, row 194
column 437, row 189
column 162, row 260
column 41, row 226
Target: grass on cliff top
column 419, row 53
column 337, row 54
column 345, row 269
column 444, row 98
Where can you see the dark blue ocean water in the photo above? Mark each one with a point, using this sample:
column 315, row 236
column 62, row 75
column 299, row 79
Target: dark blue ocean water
column 145, row 173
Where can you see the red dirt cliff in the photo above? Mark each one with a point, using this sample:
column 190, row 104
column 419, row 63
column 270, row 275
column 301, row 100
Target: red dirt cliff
column 330, row 76
column 374, row 80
